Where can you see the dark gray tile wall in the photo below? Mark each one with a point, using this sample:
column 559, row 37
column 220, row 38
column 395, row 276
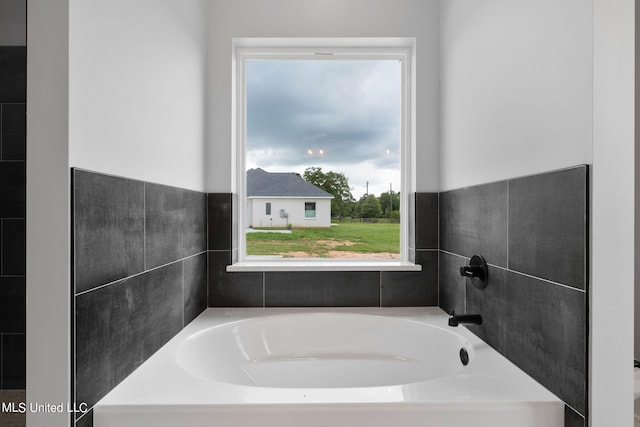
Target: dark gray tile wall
column 140, row 275
column 335, row 289
column 573, row 419
column 175, row 224
column 322, row 289
column 473, row 220
column 119, row 326
column 13, row 79
column 533, row 233
column 109, row 232
column 548, row 212
column 233, row 289
column 220, row 220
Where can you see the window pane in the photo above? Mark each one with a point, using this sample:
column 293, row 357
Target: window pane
column 309, row 210
column 328, row 131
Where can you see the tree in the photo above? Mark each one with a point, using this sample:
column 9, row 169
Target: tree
column 389, row 202
column 335, row 183
column 368, row 207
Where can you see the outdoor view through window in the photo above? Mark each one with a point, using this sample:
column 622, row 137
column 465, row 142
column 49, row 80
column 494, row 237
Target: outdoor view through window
column 323, row 150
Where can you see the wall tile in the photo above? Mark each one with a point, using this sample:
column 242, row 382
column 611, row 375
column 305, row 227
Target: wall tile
column 109, row 228
column 451, row 284
column 572, row 418
column 426, row 221
column 220, row 219
column 174, row 224
column 412, row 288
column 13, row 194
column 539, row 326
column 14, row 131
column 194, row 228
column 12, row 304
column 13, row 74
column 473, row 221
column 195, row 286
column 13, row 361
column 232, row 289
column 164, row 216
column 547, row 226
column 14, row 252
column 119, row 326
column 86, row 421
column 234, row 221
column 322, row 289
column 411, row 227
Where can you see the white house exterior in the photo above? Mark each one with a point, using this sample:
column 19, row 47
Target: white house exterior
column 283, row 199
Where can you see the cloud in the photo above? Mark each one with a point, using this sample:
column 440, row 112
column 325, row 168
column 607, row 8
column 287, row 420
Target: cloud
column 348, row 109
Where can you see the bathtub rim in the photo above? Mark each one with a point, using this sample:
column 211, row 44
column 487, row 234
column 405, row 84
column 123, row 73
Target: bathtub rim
column 144, row 388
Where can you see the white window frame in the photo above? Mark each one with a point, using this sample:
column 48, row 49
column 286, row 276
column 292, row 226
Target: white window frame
column 402, row 49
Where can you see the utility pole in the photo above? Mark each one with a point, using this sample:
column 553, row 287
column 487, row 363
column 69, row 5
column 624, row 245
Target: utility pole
column 390, row 198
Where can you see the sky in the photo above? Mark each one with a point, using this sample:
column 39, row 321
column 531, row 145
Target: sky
column 342, row 116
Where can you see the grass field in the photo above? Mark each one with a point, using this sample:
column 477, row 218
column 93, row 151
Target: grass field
column 345, row 240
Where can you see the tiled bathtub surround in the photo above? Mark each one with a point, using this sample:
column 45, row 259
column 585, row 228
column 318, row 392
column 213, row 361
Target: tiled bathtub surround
column 314, row 289
column 533, row 233
column 13, row 72
column 139, row 275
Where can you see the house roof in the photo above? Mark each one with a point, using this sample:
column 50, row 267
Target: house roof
column 261, row 183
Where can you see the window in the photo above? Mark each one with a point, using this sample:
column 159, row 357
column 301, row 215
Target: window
column 310, row 210
column 268, row 209
column 269, row 129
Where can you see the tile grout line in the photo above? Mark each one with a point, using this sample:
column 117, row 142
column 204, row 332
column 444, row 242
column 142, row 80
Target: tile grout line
column 144, row 226
column 137, row 274
column 522, row 274
column 438, row 244
column 206, row 246
column 538, row 278
column 73, row 301
column 75, row 421
column 183, row 288
column 573, row 409
column 508, row 223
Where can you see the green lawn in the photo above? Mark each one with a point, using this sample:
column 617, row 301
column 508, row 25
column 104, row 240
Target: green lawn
column 335, row 242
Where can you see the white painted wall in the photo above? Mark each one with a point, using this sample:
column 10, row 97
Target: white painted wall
column 13, row 22
column 295, row 209
column 48, row 202
column 137, row 89
column 321, row 18
column 530, row 86
column 516, row 88
column 612, row 214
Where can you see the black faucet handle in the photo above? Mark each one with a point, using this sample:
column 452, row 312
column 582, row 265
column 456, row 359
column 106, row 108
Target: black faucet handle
column 471, row 271
column 477, row 271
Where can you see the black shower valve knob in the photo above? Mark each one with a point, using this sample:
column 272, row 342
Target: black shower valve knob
column 476, row 271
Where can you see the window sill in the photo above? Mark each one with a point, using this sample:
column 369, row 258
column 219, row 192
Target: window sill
column 315, row 265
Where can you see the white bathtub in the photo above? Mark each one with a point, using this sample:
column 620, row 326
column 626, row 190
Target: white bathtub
column 369, row 367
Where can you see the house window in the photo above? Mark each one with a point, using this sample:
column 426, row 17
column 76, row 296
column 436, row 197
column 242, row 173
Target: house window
column 330, row 124
column 309, row 210
column 268, row 209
